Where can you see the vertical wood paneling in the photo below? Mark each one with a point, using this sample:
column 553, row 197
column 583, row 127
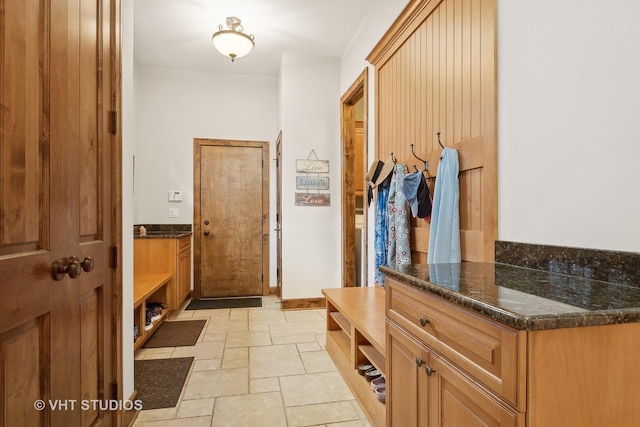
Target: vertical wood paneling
column 476, row 74
column 457, row 71
column 441, row 78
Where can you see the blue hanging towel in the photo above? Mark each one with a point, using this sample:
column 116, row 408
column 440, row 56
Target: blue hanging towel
column 444, row 235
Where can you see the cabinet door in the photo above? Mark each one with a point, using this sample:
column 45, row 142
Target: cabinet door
column 456, row 400
column 184, row 275
column 407, row 392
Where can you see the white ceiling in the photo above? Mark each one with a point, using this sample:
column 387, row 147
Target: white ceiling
column 177, row 33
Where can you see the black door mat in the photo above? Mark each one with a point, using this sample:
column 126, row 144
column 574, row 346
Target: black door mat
column 206, row 304
column 160, row 381
column 176, row 334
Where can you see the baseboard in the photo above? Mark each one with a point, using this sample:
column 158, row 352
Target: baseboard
column 304, row 303
column 273, row 291
column 129, row 416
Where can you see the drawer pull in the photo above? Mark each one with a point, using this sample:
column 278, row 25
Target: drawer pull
column 429, row 370
column 424, row 321
column 419, row 362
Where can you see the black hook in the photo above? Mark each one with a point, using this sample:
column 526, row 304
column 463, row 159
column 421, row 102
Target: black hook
column 426, row 163
column 393, row 158
column 439, row 140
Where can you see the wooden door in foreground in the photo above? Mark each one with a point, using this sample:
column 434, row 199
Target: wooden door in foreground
column 231, row 220
column 56, row 212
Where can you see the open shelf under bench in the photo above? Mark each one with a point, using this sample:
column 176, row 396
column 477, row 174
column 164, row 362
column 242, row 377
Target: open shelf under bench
column 147, row 288
column 356, row 335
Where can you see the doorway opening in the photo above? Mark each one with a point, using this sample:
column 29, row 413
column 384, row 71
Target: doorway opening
column 353, row 124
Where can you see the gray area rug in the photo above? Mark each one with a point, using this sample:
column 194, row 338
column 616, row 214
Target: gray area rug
column 160, row 381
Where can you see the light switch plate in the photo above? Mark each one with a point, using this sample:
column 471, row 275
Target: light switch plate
column 174, row 212
column 175, row 196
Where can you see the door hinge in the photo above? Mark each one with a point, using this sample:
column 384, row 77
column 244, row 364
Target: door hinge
column 114, row 391
column 113, row 122
column 277, row 162
column 114, row 257
column 277, row 217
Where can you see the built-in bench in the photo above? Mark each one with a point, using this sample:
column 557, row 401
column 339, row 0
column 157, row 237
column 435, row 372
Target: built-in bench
column 356, row 335
column 151, row 287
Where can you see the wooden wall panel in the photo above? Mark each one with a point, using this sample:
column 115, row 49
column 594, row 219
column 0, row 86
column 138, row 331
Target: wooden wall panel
column 436, row 72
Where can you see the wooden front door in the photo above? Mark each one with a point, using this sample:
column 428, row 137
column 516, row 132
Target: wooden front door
column 231, row 219
column 57, row 201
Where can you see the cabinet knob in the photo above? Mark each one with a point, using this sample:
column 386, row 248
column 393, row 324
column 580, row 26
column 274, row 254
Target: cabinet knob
column 424, row 321
column 429, row 370
column 419, row 362
column 206, row 232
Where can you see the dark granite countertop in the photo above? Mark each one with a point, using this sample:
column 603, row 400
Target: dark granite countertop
column 163, row 235
column 525, row 298
column 163, row 231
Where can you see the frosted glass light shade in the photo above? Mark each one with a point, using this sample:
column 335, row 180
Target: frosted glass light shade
column 232, row 43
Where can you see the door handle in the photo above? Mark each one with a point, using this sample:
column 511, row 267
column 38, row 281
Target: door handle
column 87, row 264
column 277, row 229
column 206, row 232
column 59, row 268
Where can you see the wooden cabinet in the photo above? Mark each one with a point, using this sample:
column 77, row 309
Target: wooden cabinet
column 166, row 255
column 355, row 335
column 428, row 339
column 424, row 389
column 407, row 391
column 450, row 366
column 183, row 267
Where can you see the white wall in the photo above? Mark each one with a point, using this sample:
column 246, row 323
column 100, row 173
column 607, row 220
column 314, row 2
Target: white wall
column 569, row 123
column 128, row 151
column 310, row 120
column 176, row 106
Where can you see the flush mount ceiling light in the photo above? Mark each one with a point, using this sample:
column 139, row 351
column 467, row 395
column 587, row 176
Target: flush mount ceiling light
column 232, row 42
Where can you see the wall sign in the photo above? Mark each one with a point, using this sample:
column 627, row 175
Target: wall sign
column 312, row 166
column 312, row 183
column 313, row 199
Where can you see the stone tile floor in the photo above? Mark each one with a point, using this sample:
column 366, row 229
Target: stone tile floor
column 257, row 367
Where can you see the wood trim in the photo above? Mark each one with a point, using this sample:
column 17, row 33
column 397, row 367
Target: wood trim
column 405, row 24
column 129, row 416
column 356, row 92
column 303, row 303
column 197, row 229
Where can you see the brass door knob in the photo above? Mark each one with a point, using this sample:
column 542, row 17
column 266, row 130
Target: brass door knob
column 87, row 264
column 74, row 268
column 60, row 267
